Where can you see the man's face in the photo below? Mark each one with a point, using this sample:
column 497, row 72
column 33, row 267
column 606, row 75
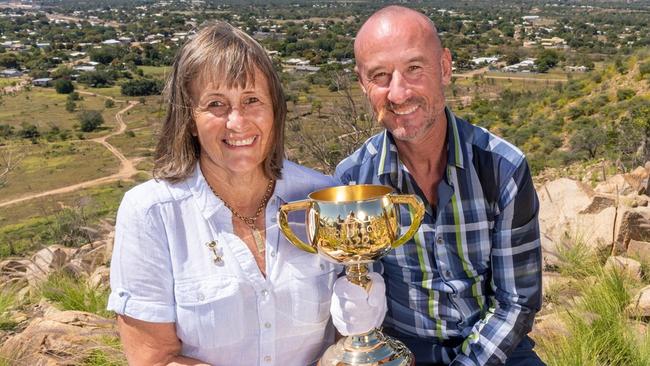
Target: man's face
column 403, row 71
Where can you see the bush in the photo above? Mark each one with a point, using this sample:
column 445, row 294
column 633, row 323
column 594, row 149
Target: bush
column 70, row 293
column 29, row 131
column 142, row 87
column 624, row 94
column 109, row 103
column 90, row 120
column 63, row 86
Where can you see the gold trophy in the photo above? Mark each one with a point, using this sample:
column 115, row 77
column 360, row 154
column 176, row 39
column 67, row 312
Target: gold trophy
column 355, row 225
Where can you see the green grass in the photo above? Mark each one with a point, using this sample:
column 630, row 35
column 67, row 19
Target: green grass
column 44, row 108
column 28, row 226
column 600, row 329
column 8, row 301
column 53, row 165
column 69, row 293
column 160, row 72
column 107, row 353
column 577, row 260
column 9, row 82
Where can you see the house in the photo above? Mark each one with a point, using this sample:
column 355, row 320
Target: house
column 42, row 82
column 576, row 68
column 305, row 68
column 484, row 60
column 111, row 42
column 11, row 73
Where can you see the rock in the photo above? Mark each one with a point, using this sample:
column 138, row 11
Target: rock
column 46, row 261
column 100, row 277
column 639, row 250
column 640, row 304
column 598, row 204
column 635, row 225
column 13, row 270
column 615, row 185
column 62, row 338
column 549, row 326
column 625, row 265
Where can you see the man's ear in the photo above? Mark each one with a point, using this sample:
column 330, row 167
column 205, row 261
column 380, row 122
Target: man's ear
column 356, row 71
column 445, row 66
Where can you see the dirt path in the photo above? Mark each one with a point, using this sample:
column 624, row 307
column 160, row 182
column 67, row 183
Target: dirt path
column 127, row 167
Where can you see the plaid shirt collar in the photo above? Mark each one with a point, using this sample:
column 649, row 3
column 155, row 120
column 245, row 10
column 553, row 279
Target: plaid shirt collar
column 388, row 162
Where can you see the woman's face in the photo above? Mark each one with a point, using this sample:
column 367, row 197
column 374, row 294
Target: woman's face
column 233, row 125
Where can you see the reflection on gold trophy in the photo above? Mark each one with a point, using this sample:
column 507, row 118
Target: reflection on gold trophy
column 356, row 225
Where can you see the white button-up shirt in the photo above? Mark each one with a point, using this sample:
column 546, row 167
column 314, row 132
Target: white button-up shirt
column 226, row 312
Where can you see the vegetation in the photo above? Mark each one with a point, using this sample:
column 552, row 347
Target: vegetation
column 90, row 120
column 70, row 293
column 63, row 86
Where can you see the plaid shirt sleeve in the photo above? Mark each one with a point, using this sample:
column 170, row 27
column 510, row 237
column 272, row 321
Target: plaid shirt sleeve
column 516, row 259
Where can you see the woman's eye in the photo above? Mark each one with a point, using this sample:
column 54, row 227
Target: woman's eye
column 252, row 100
column 215, row 103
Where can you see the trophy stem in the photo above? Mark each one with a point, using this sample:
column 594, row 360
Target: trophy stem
column 368, row 349
column 357, row 273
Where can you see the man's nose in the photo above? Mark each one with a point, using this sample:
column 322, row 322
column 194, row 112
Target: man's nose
column 398, row 91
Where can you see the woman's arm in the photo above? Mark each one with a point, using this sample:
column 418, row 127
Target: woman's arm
column 147, row 343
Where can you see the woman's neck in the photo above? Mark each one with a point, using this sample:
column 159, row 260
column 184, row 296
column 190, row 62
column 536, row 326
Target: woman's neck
column 242, row 191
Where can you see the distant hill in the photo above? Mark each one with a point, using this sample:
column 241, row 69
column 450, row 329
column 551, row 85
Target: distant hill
column 601, row 114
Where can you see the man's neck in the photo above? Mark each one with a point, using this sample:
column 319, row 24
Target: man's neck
column 426, row 160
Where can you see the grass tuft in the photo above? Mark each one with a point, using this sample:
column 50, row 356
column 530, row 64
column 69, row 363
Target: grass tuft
column 70, row 293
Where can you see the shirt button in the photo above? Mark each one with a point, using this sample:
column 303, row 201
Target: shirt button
column 272, row 253
column 200, row 297
column 322, row 266
column 448, row 273
column 267, row 359
column 264, row 292
column 439, row 240
column 267, row 325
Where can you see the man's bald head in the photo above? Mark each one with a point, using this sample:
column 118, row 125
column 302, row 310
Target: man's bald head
column 393, row 19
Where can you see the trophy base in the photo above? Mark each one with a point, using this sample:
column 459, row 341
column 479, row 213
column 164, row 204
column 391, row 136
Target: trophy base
column 369, row 349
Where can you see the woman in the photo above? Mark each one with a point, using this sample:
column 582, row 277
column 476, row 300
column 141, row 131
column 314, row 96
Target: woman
column 200, row 272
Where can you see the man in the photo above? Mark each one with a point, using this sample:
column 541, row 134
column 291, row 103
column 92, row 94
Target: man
column 465, row 289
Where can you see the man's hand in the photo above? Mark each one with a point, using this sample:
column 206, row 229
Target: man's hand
column 355, row 311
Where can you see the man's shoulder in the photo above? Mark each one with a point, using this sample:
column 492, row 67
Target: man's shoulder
column 362, row 157
column 489, row 145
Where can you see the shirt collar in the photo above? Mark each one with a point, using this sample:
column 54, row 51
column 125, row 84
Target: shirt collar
column 456, row 151
column 209, row 204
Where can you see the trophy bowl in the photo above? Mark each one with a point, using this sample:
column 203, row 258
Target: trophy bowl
column 355, row 225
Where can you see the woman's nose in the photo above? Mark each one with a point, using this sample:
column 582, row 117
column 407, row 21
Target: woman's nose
column 235, row 120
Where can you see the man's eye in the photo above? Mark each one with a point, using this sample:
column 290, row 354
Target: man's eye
column 414, row 68
column 380, row 78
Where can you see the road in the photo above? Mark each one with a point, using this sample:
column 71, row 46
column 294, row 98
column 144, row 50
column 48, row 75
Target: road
column 127, row 168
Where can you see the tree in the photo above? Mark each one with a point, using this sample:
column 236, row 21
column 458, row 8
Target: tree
column 63, row 86
column 90, row 120
column 70, row 105
column 589, row 138
column 142, row 87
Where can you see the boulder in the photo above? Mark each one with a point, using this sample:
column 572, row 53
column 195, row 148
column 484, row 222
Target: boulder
column 46, row 261
column 615, row 185
column 61, row 338
column 629, row 266
column 635, row 225
column 640, row 304
column 100, row 277
column 639, row 250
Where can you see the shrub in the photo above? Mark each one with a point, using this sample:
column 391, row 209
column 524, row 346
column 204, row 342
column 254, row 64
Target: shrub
column 109, row 103
column 142, row 87
column 70, row 293
column 624, row 94
column 90, row 120
column 63, row 86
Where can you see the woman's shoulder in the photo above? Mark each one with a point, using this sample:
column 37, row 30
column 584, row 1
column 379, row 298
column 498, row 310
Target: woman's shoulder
column 154, row 192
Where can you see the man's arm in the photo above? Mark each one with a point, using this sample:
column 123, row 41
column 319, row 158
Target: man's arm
column 516, row 264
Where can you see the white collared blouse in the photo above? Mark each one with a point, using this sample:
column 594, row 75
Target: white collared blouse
column 226, row 312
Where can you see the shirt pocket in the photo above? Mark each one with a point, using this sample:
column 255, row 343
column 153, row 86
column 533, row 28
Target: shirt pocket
column 209, row 312
column 310, row 287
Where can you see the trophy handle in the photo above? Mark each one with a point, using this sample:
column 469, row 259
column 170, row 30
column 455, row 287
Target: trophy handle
column 283, row 219
column 416, row 203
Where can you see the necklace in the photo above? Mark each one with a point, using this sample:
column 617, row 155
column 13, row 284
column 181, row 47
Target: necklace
column 250, row 220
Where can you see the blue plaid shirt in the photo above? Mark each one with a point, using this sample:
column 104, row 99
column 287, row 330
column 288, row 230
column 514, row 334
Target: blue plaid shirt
column 468, row 284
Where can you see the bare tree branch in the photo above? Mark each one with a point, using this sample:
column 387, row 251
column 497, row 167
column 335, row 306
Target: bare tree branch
column 9, row 161
column 347, row 125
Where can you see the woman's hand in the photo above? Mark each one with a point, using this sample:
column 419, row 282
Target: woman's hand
column 147, row 343
column 355, row 311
